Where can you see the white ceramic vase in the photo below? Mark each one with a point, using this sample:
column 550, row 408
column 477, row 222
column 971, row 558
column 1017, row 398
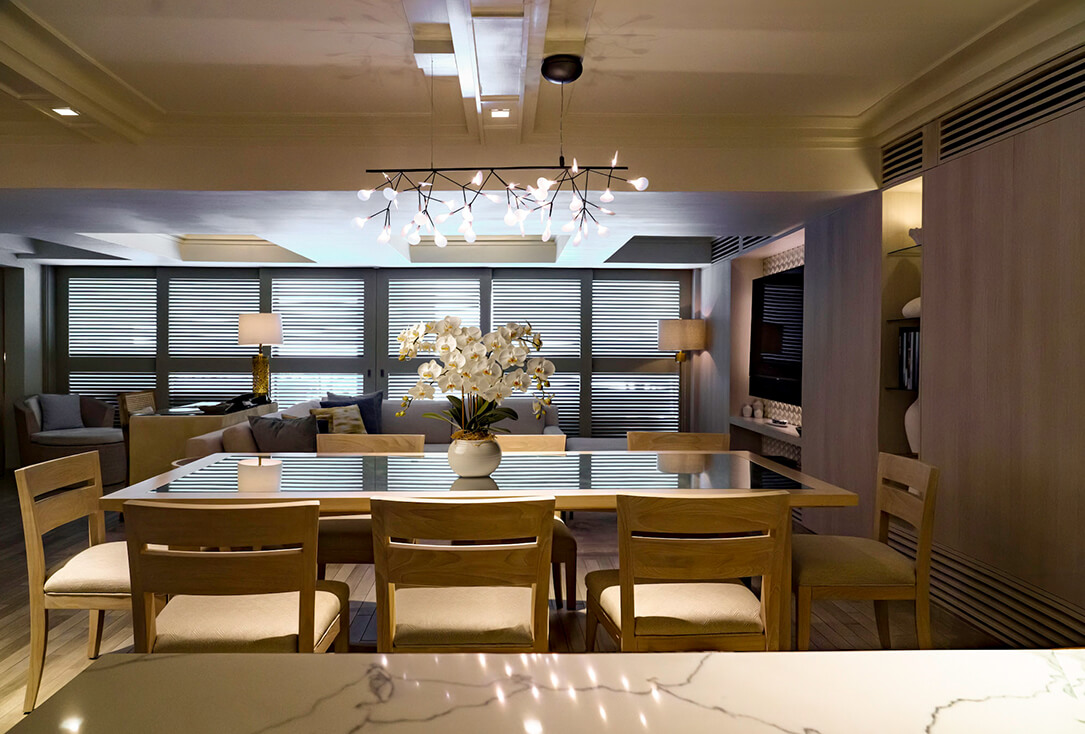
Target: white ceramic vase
column 469, row 458
column 911, row 426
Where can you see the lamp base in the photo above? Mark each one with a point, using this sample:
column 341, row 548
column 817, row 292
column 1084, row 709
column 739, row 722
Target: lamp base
column 680, row 356
column 261, row 374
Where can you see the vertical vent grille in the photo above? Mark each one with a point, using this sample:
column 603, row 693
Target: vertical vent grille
column 902, row 157
column 1030, row 98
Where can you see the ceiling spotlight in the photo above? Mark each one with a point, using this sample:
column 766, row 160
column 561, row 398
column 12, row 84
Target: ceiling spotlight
column 500, row 113
column 562, row 68
column 65, row 112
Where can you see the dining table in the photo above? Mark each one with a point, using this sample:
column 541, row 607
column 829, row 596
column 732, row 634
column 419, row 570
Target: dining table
column 578, row 480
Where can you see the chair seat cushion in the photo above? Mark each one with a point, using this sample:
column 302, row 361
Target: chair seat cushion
column 100, row 570
column 701, row 608
column 474, row 616
column 839, row 560
column 347, row 539
column 78, row 436
column 563, row 547
column 246, row 623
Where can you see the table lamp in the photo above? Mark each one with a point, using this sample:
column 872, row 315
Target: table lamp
column 680, row 335
column 260, row 329
column 259, row 475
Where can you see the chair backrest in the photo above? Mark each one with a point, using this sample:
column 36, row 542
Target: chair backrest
column 370, row 443
column 134, row 402
column 52, row 494
column 221, row 550
column 671, row 441
column 404, row 551
column 907, row 489
column 522, row 442
column 691, row 538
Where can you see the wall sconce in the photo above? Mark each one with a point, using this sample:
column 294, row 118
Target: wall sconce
column 259, row 329
column 681, row 335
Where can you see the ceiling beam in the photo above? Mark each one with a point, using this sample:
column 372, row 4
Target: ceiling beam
column 463, row 43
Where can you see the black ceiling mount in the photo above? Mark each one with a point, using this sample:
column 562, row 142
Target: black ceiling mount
column 562, row 68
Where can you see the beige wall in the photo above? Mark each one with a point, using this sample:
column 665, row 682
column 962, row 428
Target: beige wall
column 841, row 349
column 711, row 368
column 1003, row 371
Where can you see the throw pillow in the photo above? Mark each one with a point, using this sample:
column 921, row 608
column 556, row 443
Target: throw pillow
column 283, row 434
column 344, row 419
column 369, row 404
column 59, row 412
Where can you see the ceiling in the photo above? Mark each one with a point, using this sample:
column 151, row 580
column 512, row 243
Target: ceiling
column 259, row 117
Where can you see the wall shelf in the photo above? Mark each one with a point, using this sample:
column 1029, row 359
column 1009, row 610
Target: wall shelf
column 764, row 426
column 903, row 389
column 902, row 319
column 912, row 251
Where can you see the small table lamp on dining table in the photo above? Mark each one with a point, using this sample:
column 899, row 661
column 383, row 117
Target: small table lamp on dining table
column 260, row 329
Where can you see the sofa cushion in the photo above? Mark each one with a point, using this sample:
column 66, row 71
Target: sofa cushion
column 301, row 409
column 525, row 423
column 78, row 436
column 415, row 422
column 284, row 434
column 369, row 404
column 237, row 438
column 342, row 419
column 59, row 412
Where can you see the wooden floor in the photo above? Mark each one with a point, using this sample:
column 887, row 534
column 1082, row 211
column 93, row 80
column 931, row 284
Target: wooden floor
column 836, row 626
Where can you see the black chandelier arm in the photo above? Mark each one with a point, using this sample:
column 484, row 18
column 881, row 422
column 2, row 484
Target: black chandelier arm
column 398, row 171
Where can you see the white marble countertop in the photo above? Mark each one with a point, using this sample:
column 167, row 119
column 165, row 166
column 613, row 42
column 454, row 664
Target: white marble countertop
column 974, row 691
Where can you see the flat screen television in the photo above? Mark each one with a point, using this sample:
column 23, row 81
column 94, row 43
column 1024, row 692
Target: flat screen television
column 776, row 337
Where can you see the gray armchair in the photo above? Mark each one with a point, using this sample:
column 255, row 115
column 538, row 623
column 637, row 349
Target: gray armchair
column 98, row 434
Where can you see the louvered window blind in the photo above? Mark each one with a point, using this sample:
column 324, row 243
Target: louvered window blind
column 291, row 388
column 626, row 313
column 114, row 317
column 552, row 307
column 321, row 318
column 633, row 402
column 203, row 316
column 105, row 386
column 430, row 299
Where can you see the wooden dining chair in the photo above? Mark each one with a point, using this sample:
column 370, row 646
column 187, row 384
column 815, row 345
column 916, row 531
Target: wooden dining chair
column 671, row 441
column 488, row 595
column 845, row 567
column 370, row 443
column 52, row 494
column 140, row 402
column 675, row 555
column 349, row 538
column 563, row 551
column 241, row 578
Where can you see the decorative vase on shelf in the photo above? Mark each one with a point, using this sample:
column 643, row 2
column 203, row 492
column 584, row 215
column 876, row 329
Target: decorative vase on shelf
column 911, row 426
column 911, row 309
column 474, row 458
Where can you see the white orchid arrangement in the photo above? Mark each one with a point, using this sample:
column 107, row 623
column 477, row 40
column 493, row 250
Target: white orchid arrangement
column 476, row 372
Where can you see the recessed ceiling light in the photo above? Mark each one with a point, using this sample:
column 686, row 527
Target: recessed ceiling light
column 500, row 113
column 65, row 112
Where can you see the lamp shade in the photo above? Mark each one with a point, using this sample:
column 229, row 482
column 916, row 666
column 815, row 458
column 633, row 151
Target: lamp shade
column 259, row 328
column 259, row 475
column 677, row 335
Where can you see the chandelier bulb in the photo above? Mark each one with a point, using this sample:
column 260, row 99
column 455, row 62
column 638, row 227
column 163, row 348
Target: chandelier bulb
column 359, row 222
column 568, row 226
column 439, row 239
column 441, row 218
column 640, row 184
column 477, row 180
column 469, row 236
column 385, row 236
column 419, row 218
column 414, row 238
column 614, row 160
column 510, row 217
column 606, row 197
column 450, row 204
column 576, row 204
column 464, row 226
column 364, row 194
column 603, row 231
column 576, row 168
column 389, row 193
column 521, row 214
column 494, row 198
column 468, row 215
column 577, row 239
column 604, row 210
column 546, row 232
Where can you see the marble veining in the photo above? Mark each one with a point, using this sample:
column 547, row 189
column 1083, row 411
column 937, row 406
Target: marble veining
column 753, row 693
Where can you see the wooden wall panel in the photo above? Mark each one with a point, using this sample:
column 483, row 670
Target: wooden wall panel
column 1003, row 371
column 711, row 368
column 841, row 358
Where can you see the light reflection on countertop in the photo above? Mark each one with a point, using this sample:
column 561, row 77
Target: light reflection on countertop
column 780, row 693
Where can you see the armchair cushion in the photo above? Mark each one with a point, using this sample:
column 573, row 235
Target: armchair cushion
column 60, row 411
column 78, row 436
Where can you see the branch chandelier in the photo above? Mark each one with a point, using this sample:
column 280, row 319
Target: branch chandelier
column 521, row 200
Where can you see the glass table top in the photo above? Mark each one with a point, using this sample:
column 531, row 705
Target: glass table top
column 618, row 471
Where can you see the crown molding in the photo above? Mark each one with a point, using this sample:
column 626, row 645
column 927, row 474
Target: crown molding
column 1040, row 32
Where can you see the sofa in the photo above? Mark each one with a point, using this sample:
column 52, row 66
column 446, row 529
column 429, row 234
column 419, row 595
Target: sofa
column 238, row 438
column 96, row 434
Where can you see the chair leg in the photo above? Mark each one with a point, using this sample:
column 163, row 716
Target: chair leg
column 881, row 616
column 570, row 584
column 321, row 571
column 94, row 640
column 555, row 570
column 923, row 621
column 590, row 630
column 804, row 602
column 39, row 638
